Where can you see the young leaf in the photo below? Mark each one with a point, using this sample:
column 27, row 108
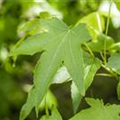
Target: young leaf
column 95, row 23
column 49, row 100
column 30, row 27
column 94, row 20
column 90, row 71
column 63, row 44
column 98, row 45
column 115, row 47
column 55, row 115
column 98, row 111
column 113, row 62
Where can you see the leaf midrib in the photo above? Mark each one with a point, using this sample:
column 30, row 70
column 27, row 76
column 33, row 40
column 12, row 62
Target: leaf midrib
column 57, row 51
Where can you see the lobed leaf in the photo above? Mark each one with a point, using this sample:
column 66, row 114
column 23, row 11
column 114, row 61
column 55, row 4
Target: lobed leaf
column 31, row 45
column 59, row 44
column 98, row 111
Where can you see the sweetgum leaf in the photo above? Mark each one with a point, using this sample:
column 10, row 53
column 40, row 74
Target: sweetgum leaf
column 59, row 44
column 91, row 66
column 30, row 46
column 98, row 111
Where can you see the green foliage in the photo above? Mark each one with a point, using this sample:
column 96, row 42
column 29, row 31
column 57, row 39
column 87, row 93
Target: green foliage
column 95, row 22
column 49, row 100
column 97, row 45
column 113, row 62
column 73, row 43
column 91, row 68
column 98, row 111
column 64, row 47
column 55, row 115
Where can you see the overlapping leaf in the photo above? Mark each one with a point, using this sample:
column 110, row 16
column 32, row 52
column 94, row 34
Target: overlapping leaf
column 95, row 23
column 91, row 66
column 98, row 111
column 49, row 100
column 98, row 44
column 90, row 71
column 59, row 44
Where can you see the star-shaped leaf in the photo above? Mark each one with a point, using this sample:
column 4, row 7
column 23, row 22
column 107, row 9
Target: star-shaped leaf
column 98, row 111
column 59, row 44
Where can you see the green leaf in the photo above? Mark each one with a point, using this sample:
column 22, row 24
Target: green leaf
column 45, row 15
column 49, row 100
column 94, row 20
column 98, row 111
column 118, row 90
column 98, row 45
column 59, row 44
column 113, row 62
column 115, row 47
column 62, row 75
column 30, row 46
column 95, row 23
column 55, row 115
column 32, row 27
column 90, row 71
column 29, row 27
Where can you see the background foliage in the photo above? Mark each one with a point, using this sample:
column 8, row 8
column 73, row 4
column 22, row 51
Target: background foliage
column 20, row 19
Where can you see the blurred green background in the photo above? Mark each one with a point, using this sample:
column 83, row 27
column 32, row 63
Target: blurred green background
column 16, row 76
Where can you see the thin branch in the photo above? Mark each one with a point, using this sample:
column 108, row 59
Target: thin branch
column 106, row 32
column 90, row 51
